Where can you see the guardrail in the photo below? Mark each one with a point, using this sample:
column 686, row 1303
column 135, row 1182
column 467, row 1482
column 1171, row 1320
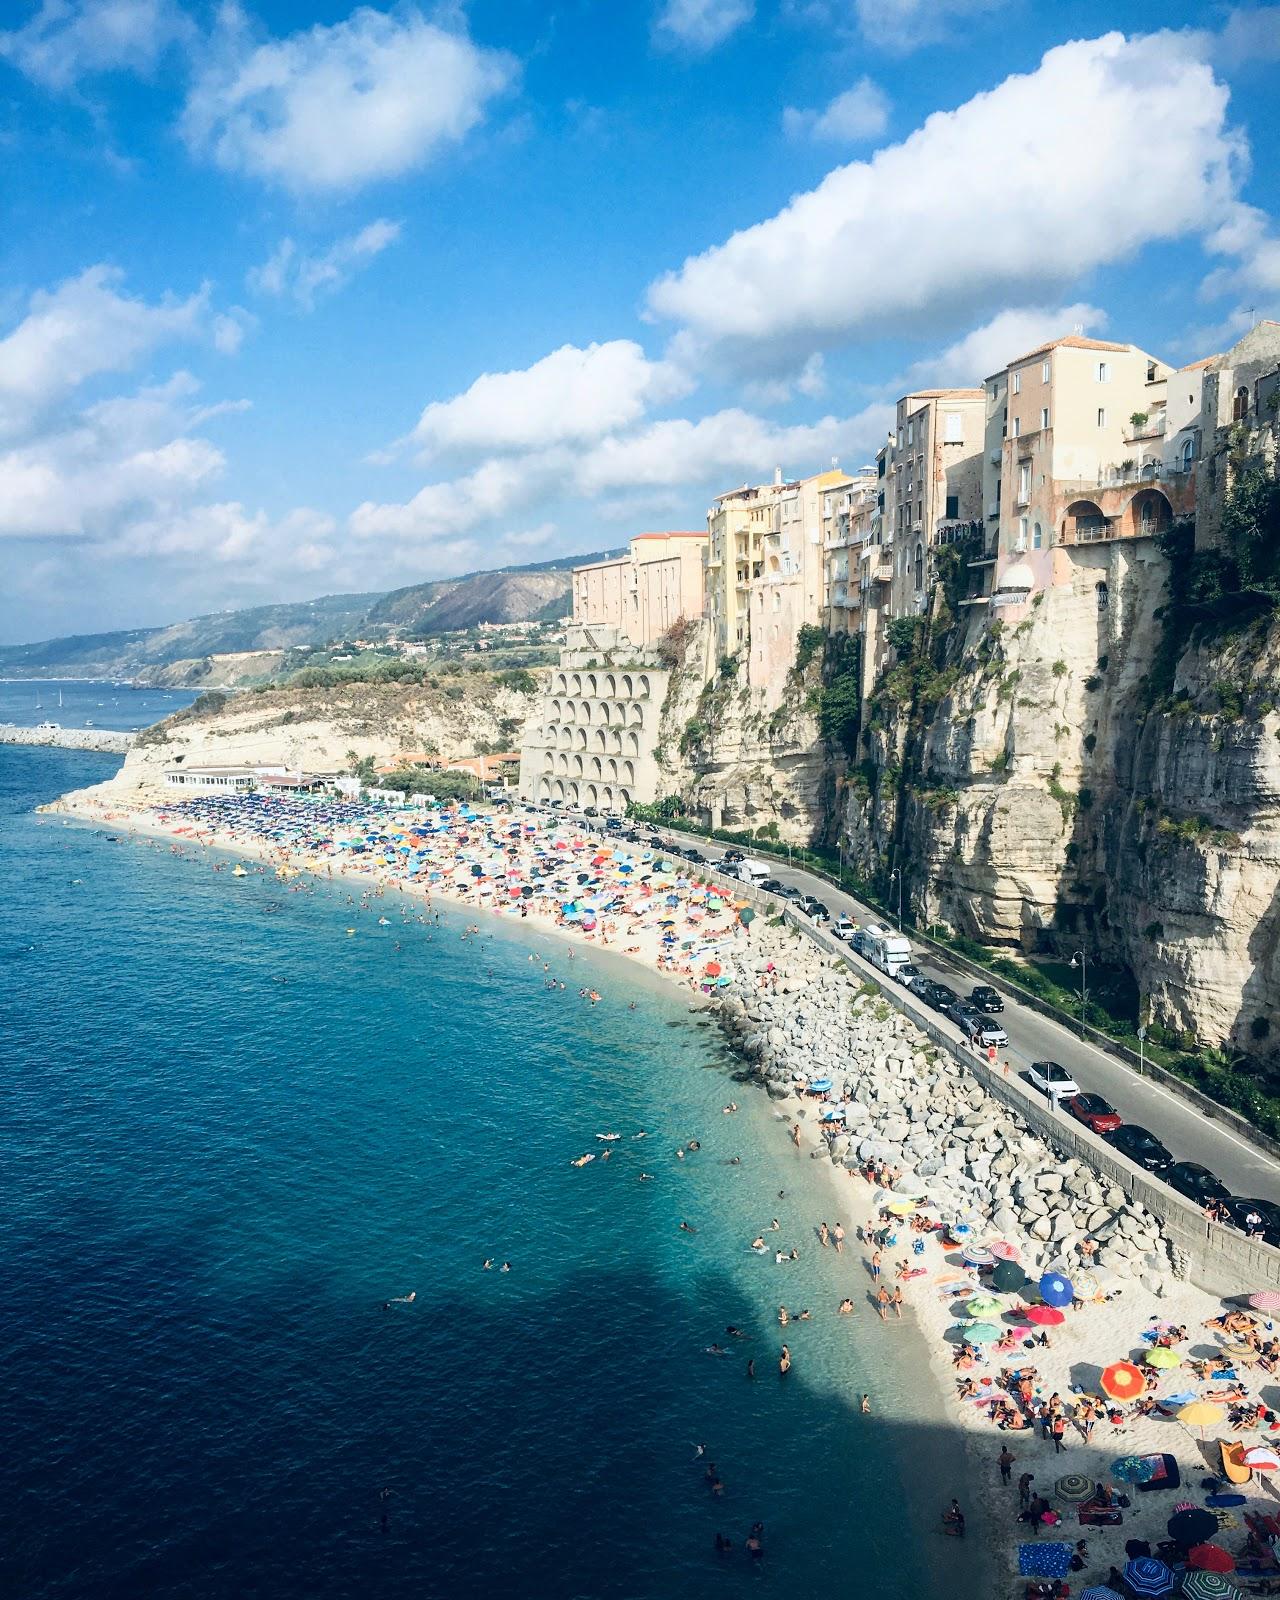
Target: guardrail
column 1144, row 1065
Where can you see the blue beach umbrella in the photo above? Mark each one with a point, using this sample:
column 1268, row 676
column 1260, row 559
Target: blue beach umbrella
column 1099, row 1592
column 1148, row 1577
column 1055, row 1290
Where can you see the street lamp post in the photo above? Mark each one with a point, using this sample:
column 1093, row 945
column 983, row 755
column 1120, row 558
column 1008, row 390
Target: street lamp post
column 1079, row 959
column 1142, row 1048
column 897, row 873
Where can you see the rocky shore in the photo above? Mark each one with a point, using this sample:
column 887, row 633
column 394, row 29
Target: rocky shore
column 107, row 740
column 909, row 1103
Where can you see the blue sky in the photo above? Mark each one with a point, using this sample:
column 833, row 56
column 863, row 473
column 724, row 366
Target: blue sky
column 301, row 298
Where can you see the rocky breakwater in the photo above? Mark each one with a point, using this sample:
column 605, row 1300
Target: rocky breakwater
column 104, row 739
column 906, row 1102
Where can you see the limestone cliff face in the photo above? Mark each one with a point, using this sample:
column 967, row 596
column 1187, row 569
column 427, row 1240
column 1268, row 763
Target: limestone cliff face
column 316, row 728
column 1051, row 797
column 736, row 762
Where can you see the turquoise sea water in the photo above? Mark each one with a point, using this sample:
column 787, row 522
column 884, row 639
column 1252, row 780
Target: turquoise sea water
column 85, row 703
column 233, row 1131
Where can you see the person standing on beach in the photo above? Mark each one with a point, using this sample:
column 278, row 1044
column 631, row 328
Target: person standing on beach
column 1005, row 1461
column 1058, row 1428
column 824, row 1234
column 882, row 1303
column 838, row 1235
column 897, row 1301
column 1024, row 1489
column 875, row 1266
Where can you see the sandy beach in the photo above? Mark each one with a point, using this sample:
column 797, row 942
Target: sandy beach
column 692, row 934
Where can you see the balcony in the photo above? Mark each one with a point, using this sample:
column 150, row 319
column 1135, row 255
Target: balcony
column 988, row 558
column 955, row 530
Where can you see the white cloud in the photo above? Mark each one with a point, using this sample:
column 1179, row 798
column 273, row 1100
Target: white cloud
column 1249, row 37
column 569, row 396
column 443, row 510
column 961, row 216
column 1009, row 334
column 900, row 26
column 859, row 113
column 700, row 25
column 72, row 39
column 1246, row 233
column 335, row 107
column 306, row 277
column 84, row 327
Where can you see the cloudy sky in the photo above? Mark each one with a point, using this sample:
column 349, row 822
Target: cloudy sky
column 296, row 298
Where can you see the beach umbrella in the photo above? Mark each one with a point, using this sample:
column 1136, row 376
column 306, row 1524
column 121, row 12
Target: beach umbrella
column 1133, row 1469
column 1055, row 1290
column 1074, row 1486
column 713, row 969
column 1210, row 1558
column 977, row 1256
column 1205, row 1586
column 983, row 1305
column 981, row 1333
column 1237, row 1348
column 1099, row 1591
column 904, row 1208
column 1123, row 1381
column 1043, row 1316
column 1147, row 1577
column 1047, row 1558
column 1003, row 1251
column 1262, row 1458
column 1201, row 1414
column 1008, row 1278
column 1163, row 1358
column 746, row 916
column 1265, row 1300
column 1191, row 1526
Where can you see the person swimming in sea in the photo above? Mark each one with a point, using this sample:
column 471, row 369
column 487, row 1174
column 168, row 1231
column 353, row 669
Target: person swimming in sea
column 685, row 1228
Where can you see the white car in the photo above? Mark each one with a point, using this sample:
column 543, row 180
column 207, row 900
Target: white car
column 1052, row 1079
column 843, row 926
column 906, row 972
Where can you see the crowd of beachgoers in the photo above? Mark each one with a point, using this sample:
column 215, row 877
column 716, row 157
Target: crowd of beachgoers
column 1121, row 1442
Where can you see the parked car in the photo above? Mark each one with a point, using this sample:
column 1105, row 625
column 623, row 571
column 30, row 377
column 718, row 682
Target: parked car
column 905, row 974
column 985, row 1033
column 1195, row 1181
column 942, row 997
column 1052, row 1079
column 1141, row 1146
column 815, row 909
column 923, row 988
column 1255, row 1217
column 958, row 1010
column 770, row 886
column 843, row 926
column 696, row 856
column 732, row 856
column 590, row 811
column 790, row 892
column 982, row 997
column 1094, row 1112
column 614, row 822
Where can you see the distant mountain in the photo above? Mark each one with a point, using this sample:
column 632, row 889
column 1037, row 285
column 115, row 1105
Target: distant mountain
column 507, row 594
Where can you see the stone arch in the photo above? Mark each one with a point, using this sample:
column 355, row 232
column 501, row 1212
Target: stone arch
column 562, row 764
column 564, row 738
column 637, row 716
column 562, row 683
column 610, row 686
column 605, row 711
column 642, row 686
column 573, row 793
column 591, row 684
column 579, row 766
column 556, row 714
column 580, row 738
column 611, row 768
column 600, row 740
column 1085, row 522
column 589, row 794
column 597, row 767
column 1188, row 454
column 557, row 790
column 586, row 712
column 628, row 685
column 633, row 743
column 606, row 798
column 1149, row 512
column 571, row 711
column 616, row 742
column 575, row 683
column 628, row 772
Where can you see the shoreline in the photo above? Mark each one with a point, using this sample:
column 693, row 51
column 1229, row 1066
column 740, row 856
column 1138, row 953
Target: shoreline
column 784, row 1034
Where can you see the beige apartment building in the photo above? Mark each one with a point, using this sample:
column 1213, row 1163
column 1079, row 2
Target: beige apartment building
column 737, row 526
column 850, row 522
column 641, row 594
column 1074, row 456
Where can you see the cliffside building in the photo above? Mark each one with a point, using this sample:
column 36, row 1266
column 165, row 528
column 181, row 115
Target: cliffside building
column 593, row 739
column 737, row 525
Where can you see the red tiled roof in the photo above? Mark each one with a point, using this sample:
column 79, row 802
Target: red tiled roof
column 1073, row 341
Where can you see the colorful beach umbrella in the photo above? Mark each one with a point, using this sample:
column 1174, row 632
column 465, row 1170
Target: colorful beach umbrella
column 1003, row 1251
column 1123, row 1381
column 1133, row 1469
column 1210, row 1558
column 1099, row 1591
column 1163, row 1358
column 1265, row 1300
column 981, row 1333
column 977, row 1256
column 1055, row 1290
column 1043, row 1316
column 1201, row 1414
column 983, row 1305
column 1074, row 1486
column 1148, row 1578
column 1262, row 1458
column 1205, row 1586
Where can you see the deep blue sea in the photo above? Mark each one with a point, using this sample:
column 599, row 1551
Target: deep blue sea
column 233, row 1131
column 86, row 703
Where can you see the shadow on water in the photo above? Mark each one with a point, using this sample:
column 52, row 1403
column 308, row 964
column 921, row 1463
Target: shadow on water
column 431, row 1468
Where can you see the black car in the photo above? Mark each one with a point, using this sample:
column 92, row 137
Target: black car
column 771, row 886
column 613, row 822
column 984, row 998
column 696, row 856
column 1141, row 1146
column 590, row 811
column 923, row 988
column 942, row 997
column 1195, row 1181
column 790, row 892
column 1256, row 1217
column 733, row 856
column 816, row 910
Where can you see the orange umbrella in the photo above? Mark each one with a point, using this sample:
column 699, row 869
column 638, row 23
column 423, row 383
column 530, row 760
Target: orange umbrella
column 1123, row 1381
column 712, row 969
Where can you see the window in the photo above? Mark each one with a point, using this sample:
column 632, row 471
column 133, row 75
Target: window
column 1044, row 372
column 1044, row 416
column 953, row 507
column 919, row 566
column 1102, row 416
column 953, row 428
column 1151, row 372
column 1103, row 594
column 911, row 433
column 1188, row 454
column 1022, row 535
column 1037, row 537
column 1104, row 372
column 1024, row 482
column 1017, row 427
column 1017, row 383
column 1240, row 406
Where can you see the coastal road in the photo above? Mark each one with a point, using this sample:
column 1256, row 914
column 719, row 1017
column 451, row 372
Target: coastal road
column 1181, row 1127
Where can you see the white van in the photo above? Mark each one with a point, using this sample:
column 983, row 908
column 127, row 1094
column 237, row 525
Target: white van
column 750, row 871
column 885, row 949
